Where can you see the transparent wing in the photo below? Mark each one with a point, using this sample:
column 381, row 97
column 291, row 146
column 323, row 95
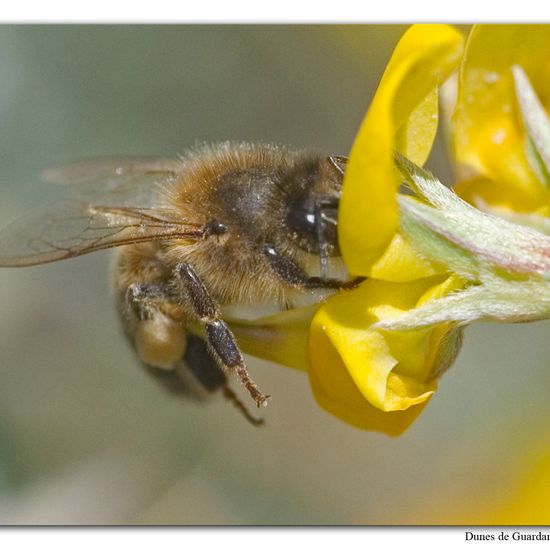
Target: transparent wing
column 125, row 181
column 105, row 167
column 74, row 228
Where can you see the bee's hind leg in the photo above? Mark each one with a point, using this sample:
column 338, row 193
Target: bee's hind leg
column 198, row 375
column 159, row 340
column 180, row 361
column 220, row 338
column 200, row 362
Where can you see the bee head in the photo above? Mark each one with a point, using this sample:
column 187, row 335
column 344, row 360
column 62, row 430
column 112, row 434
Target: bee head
column 312, row 205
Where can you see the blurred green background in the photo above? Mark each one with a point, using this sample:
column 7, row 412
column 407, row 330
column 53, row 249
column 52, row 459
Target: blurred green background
column 86, row 437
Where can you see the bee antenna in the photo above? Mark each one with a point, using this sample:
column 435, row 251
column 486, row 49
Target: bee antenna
column 231, row 396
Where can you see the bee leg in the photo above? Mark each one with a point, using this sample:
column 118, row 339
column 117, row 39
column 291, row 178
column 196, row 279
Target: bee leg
column 142, row 298
column 199, row 375
column 294, row 276
column 220, row 338
column 230, row 395
column 159, row 340
column 192, row 372
column 203, row 366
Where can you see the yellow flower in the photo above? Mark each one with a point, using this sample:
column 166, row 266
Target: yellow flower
column 371, row 378
column 489, row 139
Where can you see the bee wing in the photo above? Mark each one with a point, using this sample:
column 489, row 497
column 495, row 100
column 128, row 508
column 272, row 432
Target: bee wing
column 106, row 167
column 73, row 228
column 125, row 181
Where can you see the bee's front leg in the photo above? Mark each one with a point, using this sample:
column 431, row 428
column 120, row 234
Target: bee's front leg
column 220, row 337
column 294, row 276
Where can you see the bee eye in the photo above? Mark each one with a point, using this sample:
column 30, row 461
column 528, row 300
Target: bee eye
column 302, row 220
column 312, row 223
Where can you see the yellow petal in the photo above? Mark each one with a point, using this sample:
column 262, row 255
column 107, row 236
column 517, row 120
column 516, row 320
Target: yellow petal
column 415, row 136
column 481, row 191
column 487, row 130
column 339, row 395
column 400, row 262
column 392, row 370
column 402, row 116
column 281, row 338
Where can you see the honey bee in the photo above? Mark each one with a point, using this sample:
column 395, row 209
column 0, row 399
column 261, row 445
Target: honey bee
column 223, row 226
